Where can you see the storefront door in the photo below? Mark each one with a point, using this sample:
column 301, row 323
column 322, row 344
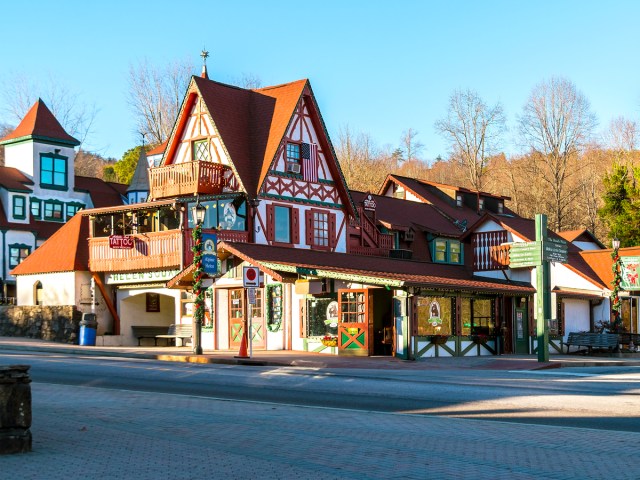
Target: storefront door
column 236, row 317
column 355, row 327
column 256, row 316
column 521, row 331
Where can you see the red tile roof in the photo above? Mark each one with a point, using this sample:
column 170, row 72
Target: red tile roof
column 13, row 179
column 580, row 235
column 601, row 263
column 157, row 150
column 66, row 251
column 39, row 123
column 409, row 273
column 103, row 194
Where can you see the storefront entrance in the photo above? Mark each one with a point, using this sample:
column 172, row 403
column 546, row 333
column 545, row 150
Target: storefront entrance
column 521, row 331
column 237, row 313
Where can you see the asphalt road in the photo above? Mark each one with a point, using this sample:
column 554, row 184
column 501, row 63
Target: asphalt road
column 599, row 398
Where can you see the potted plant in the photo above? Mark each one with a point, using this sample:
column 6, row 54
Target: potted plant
column 439, row 339
column 329, row 341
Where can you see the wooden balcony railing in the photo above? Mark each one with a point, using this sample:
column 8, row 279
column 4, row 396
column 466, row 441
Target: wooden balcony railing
column 154, row 250
column 187, row 178
column 222, row 235
column 381, row 240
column 369, row 251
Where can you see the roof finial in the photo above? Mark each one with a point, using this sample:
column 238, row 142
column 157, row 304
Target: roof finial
column 204, row 54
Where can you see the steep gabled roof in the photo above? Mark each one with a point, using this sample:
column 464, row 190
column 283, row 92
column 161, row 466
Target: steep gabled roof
column 13, row 179
column 40, row 124
column 66, row 251
column 583, row 235
column 158, row 149
column 252, row 125
column 140, row 180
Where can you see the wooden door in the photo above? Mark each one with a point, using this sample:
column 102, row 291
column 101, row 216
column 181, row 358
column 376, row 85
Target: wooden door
column 258, row 327
column 236, row 317
column 521, row 330
column 354, row 324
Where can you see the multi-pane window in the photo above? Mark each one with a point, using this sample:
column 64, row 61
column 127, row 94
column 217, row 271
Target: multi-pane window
column 53, row 210
column 201, row 150
column 19, row 207
column 353, row 306
column 36, row 208
column 17, row 253
column 73, row 208
column 282, row 224
column 53, row 171
column 293, row 158
column 477, row 316
column 320, row 225
column 447, row 251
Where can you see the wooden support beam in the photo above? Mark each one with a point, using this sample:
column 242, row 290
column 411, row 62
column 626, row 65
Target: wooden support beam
column 110, row 305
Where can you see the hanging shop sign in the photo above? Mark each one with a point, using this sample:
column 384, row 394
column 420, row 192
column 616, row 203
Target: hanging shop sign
column 210, row 253
column 629, row 270
column 121, row 241
column 369, row 204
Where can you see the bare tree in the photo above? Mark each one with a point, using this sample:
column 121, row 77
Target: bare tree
column 247, row 80
column 4, row 131
column 474, row 131
column 411, row 148
column 155, row 95
column 557, row 122
column 21, row 92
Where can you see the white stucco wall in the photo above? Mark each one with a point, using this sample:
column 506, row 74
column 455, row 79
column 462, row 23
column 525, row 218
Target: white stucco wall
column 576, row 315
column 132, row 310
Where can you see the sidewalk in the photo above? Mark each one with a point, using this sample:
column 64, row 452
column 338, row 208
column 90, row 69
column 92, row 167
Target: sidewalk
column 316, row 360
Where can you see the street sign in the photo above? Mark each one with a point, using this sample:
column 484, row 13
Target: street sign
column 555, row 250
column 210, row 253
column 523, row 255
column 251, row 295
column 250, row 277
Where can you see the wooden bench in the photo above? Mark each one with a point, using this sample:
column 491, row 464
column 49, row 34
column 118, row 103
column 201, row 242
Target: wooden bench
column 628, row 338
column 182, row 331
column 592, row 340
column 148, row 331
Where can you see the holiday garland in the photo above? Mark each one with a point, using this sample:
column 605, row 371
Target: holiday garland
column 273, row 307
column 198, row 291
column 616, row 324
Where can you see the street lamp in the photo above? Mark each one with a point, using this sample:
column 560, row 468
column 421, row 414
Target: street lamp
column 198, row 213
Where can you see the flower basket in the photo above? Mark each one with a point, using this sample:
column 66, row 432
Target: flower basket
column 330, row 341
column 439, row 339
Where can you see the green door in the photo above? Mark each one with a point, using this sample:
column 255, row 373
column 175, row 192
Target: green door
column 521, row 331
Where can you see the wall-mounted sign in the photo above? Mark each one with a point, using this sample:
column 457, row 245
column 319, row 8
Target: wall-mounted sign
column 369, row 204
column 140, row 277
column 250, row 277
column 121, row 241
column 629, row 270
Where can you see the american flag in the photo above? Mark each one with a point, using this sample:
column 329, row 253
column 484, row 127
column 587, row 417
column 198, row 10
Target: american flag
column 309, row 153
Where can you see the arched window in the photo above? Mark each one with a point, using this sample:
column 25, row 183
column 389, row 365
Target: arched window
column 37, row 293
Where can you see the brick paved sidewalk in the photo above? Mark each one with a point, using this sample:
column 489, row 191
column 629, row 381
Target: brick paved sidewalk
column 86, row 433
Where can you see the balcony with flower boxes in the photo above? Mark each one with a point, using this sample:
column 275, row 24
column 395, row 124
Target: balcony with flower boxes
column 187, row 178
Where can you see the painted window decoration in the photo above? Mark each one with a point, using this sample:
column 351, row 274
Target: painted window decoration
column 274, row 307
column 36, row 208
column 477, row 316
column 19, row 207
column 293, row 158
column 201, row 151
column 322, row 316
column 53, row 210
column 434, row 315
column 447, row 251
column 226, row 214
column 17, row 253
column 53, row 171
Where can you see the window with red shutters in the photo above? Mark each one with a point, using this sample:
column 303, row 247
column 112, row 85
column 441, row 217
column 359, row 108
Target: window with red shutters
column 320, row 229
column 283, row 224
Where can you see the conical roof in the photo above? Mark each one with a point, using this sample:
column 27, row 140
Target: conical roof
column 40, row 124
column 140, row 180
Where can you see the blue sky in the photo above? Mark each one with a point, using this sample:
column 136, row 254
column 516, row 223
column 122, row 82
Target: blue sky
column 379, row 67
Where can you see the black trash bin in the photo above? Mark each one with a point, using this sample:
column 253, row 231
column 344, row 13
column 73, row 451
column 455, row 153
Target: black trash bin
column 88, row 327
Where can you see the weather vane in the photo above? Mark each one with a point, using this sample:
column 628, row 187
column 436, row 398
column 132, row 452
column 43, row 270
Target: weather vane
column 204, row 54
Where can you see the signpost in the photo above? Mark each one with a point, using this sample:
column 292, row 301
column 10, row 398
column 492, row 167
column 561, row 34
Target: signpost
column 538, row 254
column 250, row 281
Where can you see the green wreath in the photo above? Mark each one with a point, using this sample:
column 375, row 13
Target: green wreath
column 274, row 319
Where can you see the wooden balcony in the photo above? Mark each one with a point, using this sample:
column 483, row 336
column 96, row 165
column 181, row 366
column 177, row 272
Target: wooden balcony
column 222, row 235
column 154, row 250
column 187, row 178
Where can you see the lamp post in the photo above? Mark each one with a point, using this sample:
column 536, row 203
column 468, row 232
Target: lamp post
column 616, row 324
column 198, row 212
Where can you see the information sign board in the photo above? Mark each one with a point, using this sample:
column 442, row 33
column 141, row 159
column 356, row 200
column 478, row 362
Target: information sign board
column 525, row 254
column 555, row 250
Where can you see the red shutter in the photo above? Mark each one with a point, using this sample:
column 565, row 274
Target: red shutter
column 308, row 227
column 270, row 222
column 295, row 226
column 333, row 241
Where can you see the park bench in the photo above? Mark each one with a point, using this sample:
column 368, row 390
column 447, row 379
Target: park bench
column 182, row 331
column 607, row 341
column 628, row 338
column 148, row 331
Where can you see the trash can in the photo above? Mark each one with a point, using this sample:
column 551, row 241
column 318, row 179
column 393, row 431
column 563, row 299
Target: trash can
column 88, row 327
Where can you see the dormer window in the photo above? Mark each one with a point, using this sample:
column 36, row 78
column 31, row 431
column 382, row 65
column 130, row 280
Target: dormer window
column 53, row 171
column 293, row 158
column 459, row 200
column 201, row 151
column 500, row 207
column 481, row 204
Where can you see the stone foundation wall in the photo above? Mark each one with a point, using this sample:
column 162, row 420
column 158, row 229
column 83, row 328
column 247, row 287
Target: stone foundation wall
column 56, row 324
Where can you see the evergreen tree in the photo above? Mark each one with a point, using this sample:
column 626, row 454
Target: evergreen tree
column 126, row 167
column 621, row 209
